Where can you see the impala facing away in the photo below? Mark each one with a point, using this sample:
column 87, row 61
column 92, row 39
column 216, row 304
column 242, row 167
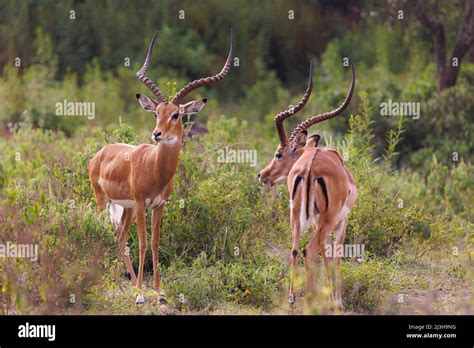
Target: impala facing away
column 321, row 189
column 130, row 179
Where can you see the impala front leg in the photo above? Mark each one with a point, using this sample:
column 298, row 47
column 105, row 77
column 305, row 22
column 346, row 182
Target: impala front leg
column 122, row 233
column 142, row 247
column 155, row 243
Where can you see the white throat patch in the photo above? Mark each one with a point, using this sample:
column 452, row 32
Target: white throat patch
column 280, row 179
column 170, row 141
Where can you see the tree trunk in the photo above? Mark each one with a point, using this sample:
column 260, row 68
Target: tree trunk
column 470, row 55
column 447, row 72
column 464, row 40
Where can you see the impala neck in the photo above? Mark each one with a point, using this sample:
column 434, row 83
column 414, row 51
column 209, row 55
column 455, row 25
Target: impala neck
column 166, row 159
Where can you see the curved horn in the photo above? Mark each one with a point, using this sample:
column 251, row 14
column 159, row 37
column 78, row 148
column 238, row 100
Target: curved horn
column 326, row 116
column 142, row 77
column 279, row 118
column 206, row 80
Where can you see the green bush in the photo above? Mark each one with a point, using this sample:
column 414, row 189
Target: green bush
column 365, row 284
column 206, row 284
column 46, row 203
column 379, row 190
column 442, row 130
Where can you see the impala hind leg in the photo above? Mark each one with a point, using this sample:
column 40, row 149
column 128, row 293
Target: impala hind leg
column 294, row 262
column 317, row 242
column 155, row 243
column 310, row 253
column 122, row 234
column 311, row 261
column 141, row 226
column 340, row 236
column 325, row 246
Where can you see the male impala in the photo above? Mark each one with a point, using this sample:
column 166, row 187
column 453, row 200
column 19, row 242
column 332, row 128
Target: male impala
column 321, row 189
column 130, row 179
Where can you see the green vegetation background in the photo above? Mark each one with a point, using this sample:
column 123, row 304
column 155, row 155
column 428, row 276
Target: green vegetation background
column 225, row 237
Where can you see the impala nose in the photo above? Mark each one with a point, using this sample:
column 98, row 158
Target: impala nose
column 262, row 179
column 157, row 135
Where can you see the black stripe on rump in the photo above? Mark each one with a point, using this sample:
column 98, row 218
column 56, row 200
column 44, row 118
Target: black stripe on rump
column 295, row 186
column 316, row 209
column 308, row 186
column 325, row 191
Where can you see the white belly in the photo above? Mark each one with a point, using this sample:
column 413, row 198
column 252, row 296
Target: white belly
column 116, row 212
column 126, row 203
column 130, row 203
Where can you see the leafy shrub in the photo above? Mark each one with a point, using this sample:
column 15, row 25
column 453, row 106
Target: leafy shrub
column 206, row 284
column 41, row 207
column 365, row 284
column 380, row 193
column 444, row 126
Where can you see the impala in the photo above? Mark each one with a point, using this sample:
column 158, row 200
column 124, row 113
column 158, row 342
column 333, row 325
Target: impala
column 129, row 179
column 321, row 189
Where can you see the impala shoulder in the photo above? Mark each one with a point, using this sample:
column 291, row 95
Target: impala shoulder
column 301, row 165
column 334, row 154
column 145, row 147
column 116, row 148
column 123, row 145
column 308, row 154
column 142, row 149
column 329, row 164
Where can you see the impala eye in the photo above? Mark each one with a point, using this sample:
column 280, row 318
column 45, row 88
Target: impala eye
column 278, row 155
column 175, row 115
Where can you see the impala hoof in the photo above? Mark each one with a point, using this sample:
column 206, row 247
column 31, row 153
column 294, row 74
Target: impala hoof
column 140, row 299
column 162, row 299
column 292, row 299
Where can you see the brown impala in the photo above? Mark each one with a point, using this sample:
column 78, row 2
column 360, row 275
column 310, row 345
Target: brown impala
column 130, row 179
column 321, row 189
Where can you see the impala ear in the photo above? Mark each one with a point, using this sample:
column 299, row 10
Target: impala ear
column 147, row 103
column 192, row 107
column 313, row 140
column 300, row 139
